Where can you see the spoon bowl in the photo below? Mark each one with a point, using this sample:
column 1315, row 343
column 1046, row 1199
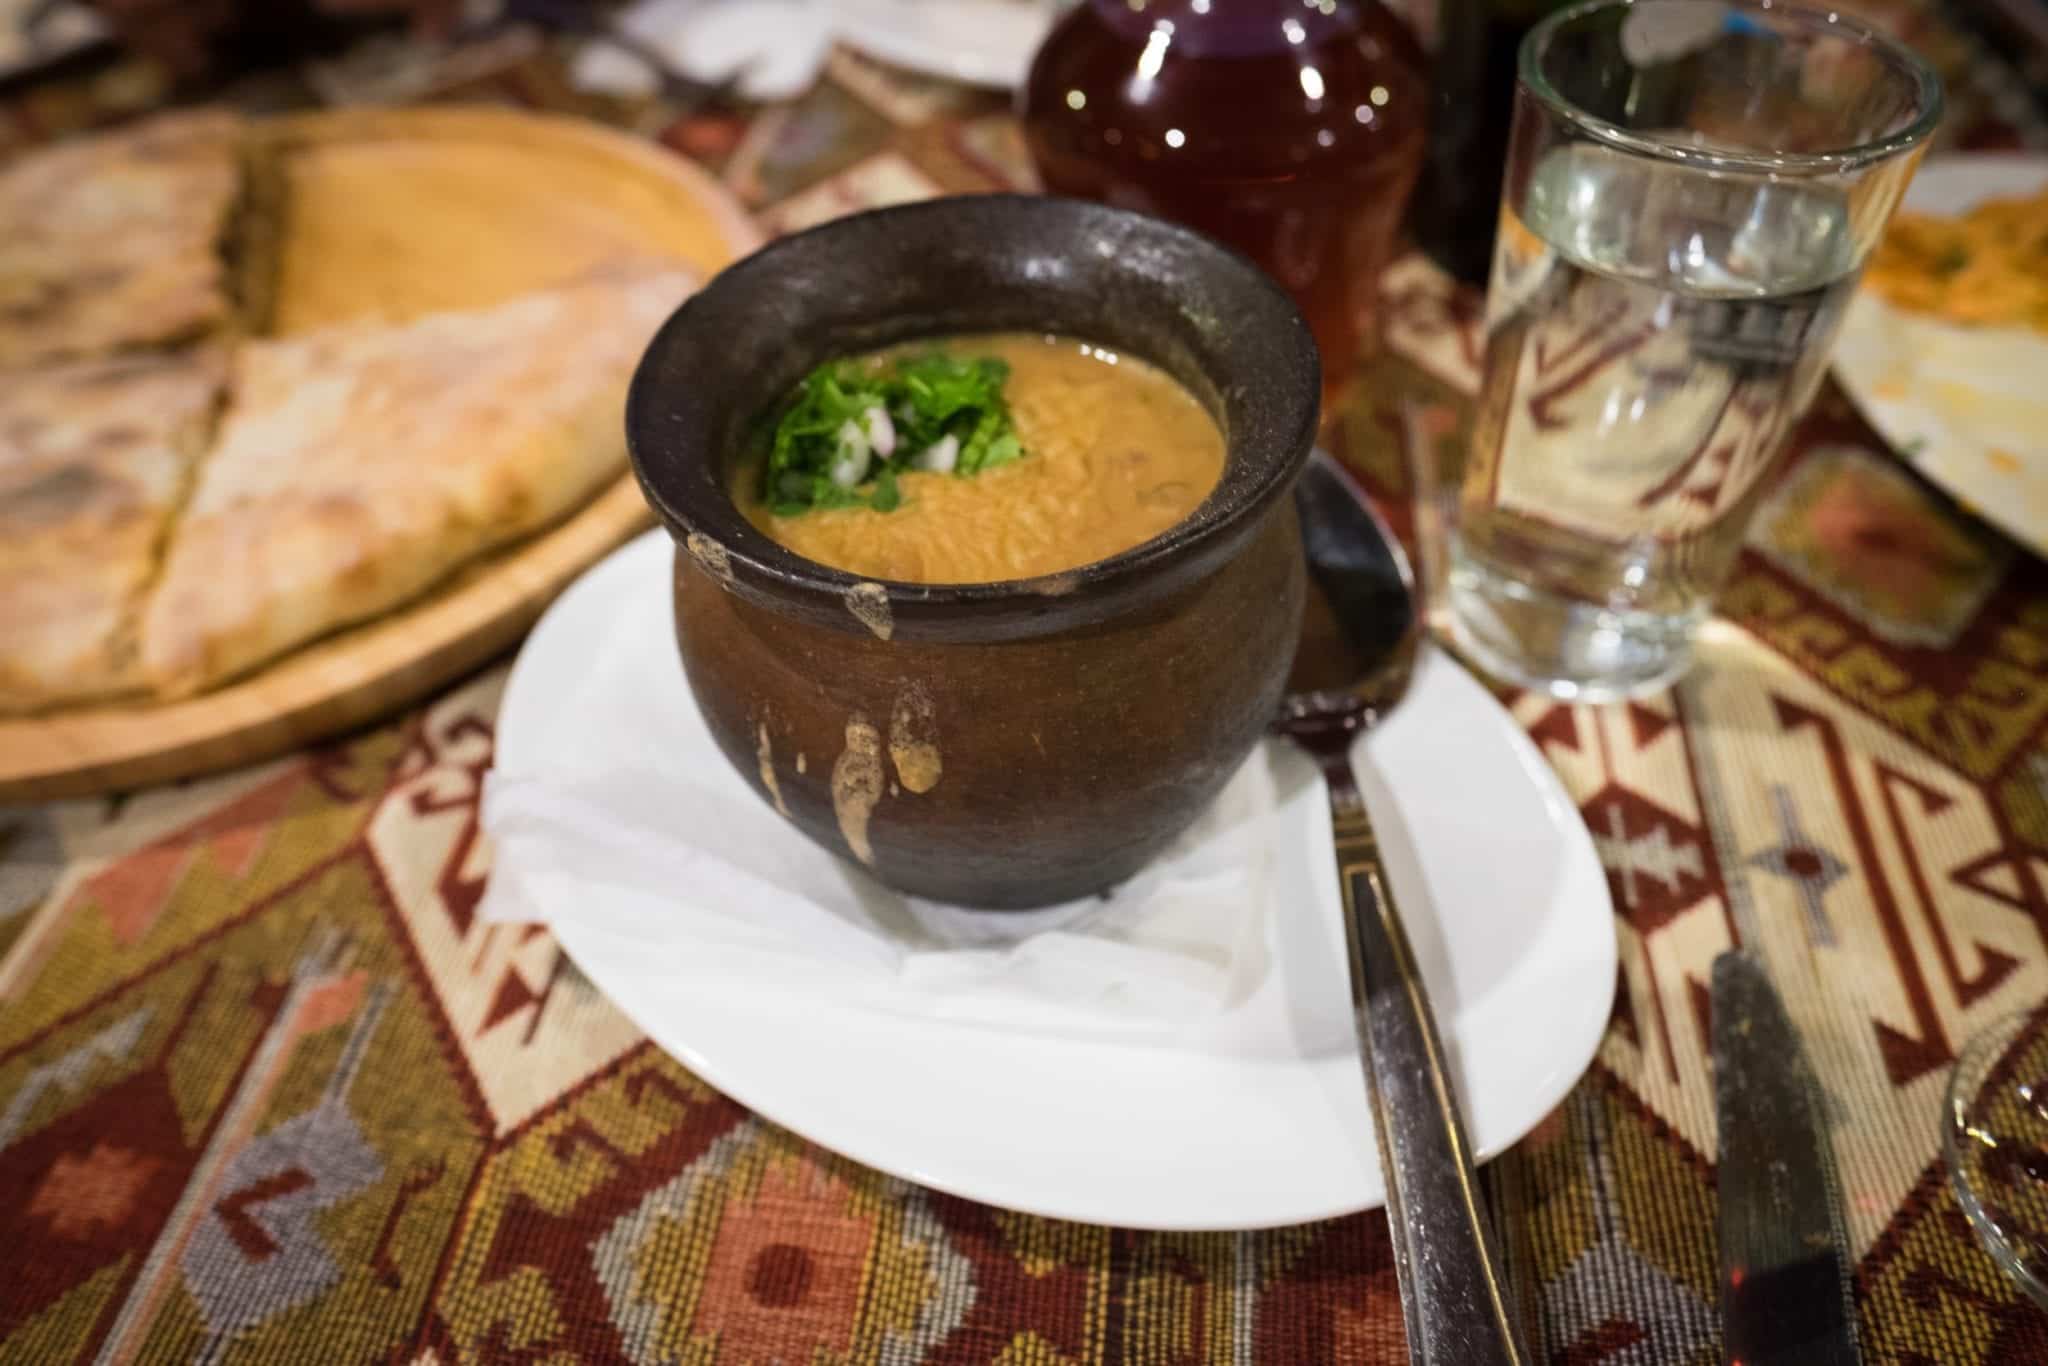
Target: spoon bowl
column 1362, row 630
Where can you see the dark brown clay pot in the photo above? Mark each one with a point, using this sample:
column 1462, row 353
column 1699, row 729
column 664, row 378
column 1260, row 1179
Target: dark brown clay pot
column 1010, row 744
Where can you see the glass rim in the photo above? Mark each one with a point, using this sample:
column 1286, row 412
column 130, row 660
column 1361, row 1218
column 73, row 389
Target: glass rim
column 1927, row 86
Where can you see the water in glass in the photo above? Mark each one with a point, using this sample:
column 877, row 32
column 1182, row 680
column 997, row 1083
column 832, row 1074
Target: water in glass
column 1653, row 332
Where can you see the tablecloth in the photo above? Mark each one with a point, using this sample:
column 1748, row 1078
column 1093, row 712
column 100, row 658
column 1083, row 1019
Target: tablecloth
column 269, row 1091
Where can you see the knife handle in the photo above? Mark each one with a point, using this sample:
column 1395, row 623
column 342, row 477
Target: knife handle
column 1456, row 1303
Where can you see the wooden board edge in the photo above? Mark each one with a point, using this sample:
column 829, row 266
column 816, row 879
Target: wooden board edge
column 498, row 124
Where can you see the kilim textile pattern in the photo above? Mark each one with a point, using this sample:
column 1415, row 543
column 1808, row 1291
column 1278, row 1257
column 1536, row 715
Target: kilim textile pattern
column 269, row 1092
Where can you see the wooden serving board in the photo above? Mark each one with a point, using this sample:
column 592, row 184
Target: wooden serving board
column 393, row 214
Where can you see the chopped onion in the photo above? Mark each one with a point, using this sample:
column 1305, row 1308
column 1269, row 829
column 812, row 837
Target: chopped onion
column 881, row 431
column 850, row 463
column 940, row 456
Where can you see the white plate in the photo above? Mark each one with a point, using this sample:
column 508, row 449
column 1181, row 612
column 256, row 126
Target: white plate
column 1511, row 921
column 68, row 29
column 976, row 42
column 1966, row 406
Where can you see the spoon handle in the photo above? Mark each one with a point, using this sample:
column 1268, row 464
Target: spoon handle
column 1453, row 1297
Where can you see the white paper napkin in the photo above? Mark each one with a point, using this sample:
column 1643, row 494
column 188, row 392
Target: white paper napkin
column 631, row 822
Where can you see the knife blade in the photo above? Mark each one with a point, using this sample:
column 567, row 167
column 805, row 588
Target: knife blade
column 1786, row 1294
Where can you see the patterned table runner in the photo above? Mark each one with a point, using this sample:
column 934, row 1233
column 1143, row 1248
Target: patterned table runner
column 269, row 1092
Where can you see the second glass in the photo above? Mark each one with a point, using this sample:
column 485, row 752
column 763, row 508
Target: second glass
column 1692, row 190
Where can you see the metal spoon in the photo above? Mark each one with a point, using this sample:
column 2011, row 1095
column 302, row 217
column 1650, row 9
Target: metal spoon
column 1453, row 1297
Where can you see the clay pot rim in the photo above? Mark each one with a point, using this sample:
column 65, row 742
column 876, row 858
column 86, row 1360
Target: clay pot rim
column 692, row 397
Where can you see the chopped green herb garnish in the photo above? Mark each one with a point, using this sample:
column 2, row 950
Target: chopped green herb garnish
column 852, row 427
column 886, row 497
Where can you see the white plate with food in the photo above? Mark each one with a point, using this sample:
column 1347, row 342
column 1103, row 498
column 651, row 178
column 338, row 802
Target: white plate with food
column 1946, row 345
column 1262, row 1120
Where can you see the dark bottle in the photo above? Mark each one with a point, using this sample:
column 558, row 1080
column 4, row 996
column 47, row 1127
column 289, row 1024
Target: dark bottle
column 1472, row 104
column 1292, row 131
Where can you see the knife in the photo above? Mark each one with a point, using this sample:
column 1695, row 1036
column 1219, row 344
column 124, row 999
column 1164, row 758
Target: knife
column 1786, row 1296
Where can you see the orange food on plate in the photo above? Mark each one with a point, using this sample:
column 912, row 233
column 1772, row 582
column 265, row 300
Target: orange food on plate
column 1987, row 267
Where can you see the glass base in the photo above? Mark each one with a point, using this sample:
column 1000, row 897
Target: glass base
column 1570, row 648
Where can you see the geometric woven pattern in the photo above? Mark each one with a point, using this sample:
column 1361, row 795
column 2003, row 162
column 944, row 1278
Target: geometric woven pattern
column 270, row 1092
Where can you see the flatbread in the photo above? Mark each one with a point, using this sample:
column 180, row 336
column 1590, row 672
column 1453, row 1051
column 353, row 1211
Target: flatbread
column 360, row 465
column 116, row 240
column 94, row 457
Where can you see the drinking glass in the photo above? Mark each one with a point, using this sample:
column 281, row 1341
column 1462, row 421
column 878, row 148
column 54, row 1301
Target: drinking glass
column 1995, row 1137
column 1692, row 189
